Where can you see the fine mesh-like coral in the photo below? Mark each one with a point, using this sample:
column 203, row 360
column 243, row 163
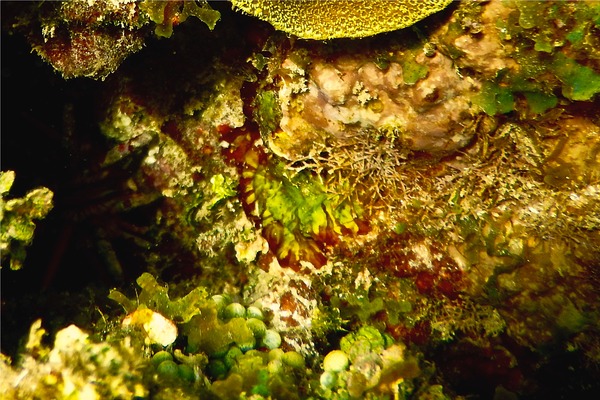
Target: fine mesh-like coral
column 328, row 19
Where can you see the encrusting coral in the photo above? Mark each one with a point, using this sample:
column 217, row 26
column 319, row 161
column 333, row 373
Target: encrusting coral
column 329, row 19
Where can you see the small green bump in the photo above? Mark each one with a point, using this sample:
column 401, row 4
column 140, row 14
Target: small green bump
column 160, row 357
column 240, row 333
column 186, row 373
column 246, row 346
column 216, row 369
column 234, row 310
column 276, row 354
column 255, row 312
column 388, row 340
column 168, row 369
column 220, row 352
column 293, row 359
column 328, row 379
column 275, row 366
column 230, row 357
column 335, row 361
column 254, row 353
column 257, row 327
column 220, row 303
column 272, row 339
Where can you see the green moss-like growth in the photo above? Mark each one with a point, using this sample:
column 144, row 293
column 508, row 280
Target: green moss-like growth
column 368, row 365
column 228, row 343
column 156, row 297
column 17, row 217
column 267, row 112
column 579, row 82
column 272, row 374
column 548, row 57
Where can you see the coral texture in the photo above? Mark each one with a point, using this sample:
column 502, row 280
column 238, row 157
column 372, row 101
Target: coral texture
column 329, row 19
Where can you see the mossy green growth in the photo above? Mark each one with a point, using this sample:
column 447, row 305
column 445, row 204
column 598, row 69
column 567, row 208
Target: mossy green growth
column 579, row 82
column 222, row 187
column 156, row 297
column 494, row 99
column 556, row 46
column 368, row 365
column 366, row 340
column 275, row 374
column 412, row 71
column 17, row 217
column 540, row 102
column 267, row 112
column 165, row 13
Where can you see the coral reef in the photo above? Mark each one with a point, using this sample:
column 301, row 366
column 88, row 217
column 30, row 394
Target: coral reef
column 367, row 365
column 74, row 367
column 17, row 219
column 407, row 215
column 81, row 38
column 329, row 19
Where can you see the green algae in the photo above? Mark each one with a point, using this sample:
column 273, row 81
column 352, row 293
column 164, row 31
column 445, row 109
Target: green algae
column 580, row 83
column 495, row 99
column 267, row 112
column 17, row 219
column 299, row 208
column 555, row 47
column 369, row 365
column 165, row 13
column 330, row 19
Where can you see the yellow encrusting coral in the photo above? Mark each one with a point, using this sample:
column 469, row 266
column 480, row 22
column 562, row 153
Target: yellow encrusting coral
column 330, row 19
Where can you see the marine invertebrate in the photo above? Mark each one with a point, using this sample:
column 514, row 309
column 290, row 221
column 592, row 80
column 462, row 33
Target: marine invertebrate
column 80, row 38
column 329, row 19
column 492, row 225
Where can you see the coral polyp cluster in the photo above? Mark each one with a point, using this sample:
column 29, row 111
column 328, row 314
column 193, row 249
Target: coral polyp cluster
column 329, row 19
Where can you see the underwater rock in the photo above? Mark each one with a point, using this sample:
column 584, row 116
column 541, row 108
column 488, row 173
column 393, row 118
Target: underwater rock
column 341, row 99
